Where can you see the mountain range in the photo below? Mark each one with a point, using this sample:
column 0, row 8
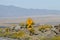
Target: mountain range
column 13, row 11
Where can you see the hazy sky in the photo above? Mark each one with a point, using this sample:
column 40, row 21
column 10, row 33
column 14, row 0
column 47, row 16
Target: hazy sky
column 36, row 4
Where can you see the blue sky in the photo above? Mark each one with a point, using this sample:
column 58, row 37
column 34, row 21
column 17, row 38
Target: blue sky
column 36, row 4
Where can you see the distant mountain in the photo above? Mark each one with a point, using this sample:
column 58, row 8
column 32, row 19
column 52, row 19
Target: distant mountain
column 12, row 11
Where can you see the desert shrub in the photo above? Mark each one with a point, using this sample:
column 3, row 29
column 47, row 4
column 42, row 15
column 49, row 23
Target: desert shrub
column 13, row 35
column 0, row 30
column 44, row 27
column 55, row 38
column 7, row 32
column 40, row 28
column 42, row 38
column 28, row 38
column 20, row 34
column 1, row 35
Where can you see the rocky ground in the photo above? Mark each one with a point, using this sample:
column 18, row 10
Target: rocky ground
column 43, row 34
